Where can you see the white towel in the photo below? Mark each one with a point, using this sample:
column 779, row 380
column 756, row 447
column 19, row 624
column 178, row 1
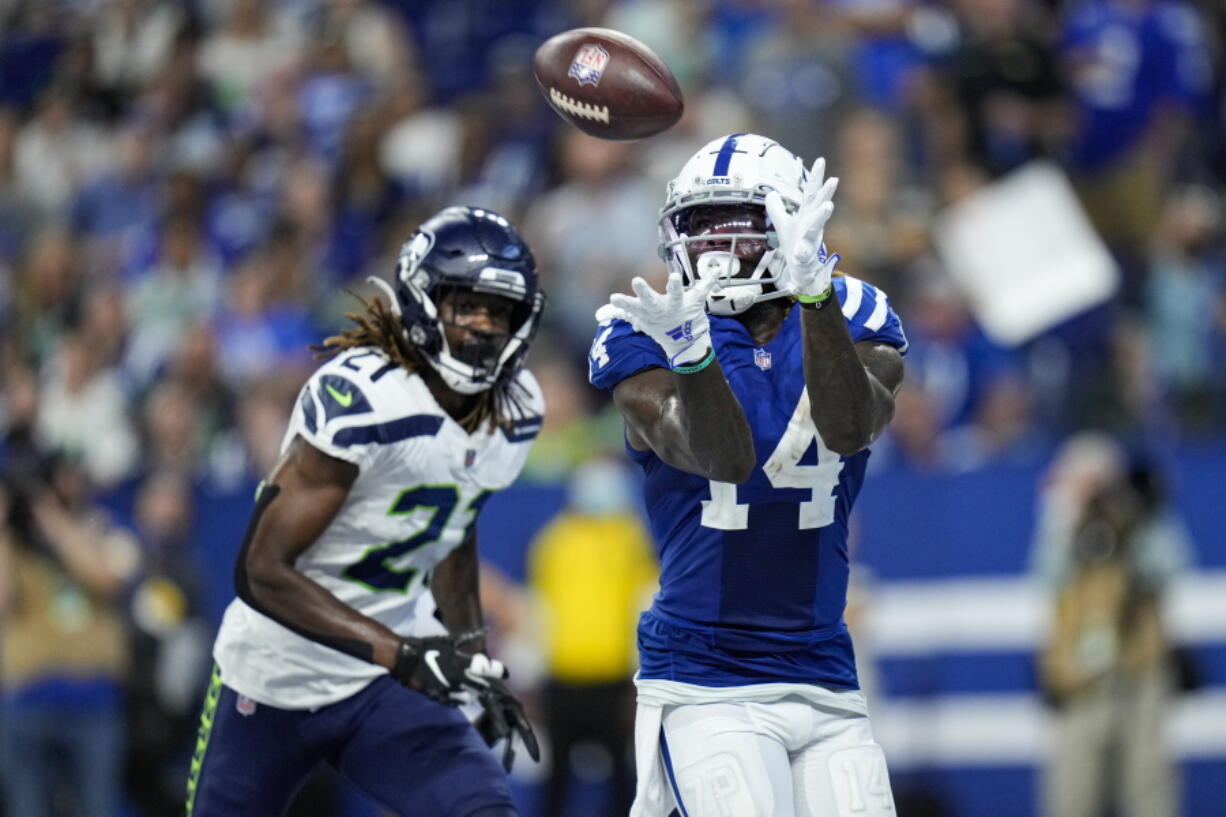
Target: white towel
column 653, row 796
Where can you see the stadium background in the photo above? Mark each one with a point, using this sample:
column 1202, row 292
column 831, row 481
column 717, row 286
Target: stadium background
column 186, row 188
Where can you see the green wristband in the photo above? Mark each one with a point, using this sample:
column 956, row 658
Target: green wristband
column 693, row 368
column 816, row 299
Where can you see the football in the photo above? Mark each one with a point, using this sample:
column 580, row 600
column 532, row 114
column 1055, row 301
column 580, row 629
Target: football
column 607, row 84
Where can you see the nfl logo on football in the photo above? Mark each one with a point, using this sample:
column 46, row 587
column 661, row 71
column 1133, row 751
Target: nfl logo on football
column 762, row 359
column 589, row 63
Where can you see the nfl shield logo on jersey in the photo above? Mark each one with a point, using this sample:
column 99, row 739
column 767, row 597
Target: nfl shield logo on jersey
column 762, row 359
column 245, row 706
column 589, row 64
column 470, row 456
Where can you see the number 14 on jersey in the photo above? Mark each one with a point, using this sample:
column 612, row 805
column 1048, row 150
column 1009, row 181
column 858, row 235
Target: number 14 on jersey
column 783, row 469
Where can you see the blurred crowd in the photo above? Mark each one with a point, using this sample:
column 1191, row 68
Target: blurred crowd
column 188, row 189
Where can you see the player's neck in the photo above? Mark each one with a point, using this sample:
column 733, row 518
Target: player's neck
column 764, row 319
column 458, row 406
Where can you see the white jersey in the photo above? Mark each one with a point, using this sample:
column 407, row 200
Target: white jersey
column 421, row 483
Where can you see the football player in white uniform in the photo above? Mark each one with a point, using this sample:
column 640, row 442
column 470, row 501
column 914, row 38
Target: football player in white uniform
column 751, row 390
column 395, row 444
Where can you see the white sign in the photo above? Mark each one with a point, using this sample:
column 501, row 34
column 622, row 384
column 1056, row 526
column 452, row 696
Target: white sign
column 1024, row 254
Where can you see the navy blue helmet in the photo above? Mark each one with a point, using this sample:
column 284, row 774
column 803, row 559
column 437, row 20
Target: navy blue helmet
column 473, row 249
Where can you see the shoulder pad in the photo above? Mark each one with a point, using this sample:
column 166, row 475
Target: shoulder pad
column 868, row 313
column 619, row 352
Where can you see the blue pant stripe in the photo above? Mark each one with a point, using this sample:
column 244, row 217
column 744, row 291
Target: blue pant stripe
column 672, row 777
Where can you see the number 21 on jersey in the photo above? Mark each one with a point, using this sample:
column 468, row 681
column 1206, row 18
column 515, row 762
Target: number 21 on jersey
column 783, row 469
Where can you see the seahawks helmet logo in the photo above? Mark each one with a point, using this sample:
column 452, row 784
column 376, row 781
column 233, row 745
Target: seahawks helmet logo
column 413, row 253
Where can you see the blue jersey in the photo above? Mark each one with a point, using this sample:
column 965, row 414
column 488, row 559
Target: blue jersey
column 753, row 576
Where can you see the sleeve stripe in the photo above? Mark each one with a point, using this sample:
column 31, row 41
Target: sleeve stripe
column 855, row 291
column 880, row 313
column 309, row 410
column 418, row 425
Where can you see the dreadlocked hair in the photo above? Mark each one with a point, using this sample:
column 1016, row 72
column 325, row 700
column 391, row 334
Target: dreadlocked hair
column 379, row 328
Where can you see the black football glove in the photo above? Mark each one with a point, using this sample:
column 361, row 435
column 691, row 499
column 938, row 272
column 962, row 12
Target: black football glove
column 433, row 666
column 504, row 718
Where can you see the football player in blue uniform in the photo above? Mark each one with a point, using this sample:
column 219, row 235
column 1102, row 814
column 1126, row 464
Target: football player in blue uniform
column 751, row 388
column 332, row 652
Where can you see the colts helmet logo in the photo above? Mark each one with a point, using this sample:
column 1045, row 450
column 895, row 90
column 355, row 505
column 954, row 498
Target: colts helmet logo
column 589, row 64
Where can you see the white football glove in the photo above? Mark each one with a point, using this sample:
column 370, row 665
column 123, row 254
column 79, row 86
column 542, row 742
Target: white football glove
column 807, row 270
column 676, row 320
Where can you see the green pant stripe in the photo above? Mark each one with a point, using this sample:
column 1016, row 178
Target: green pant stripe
column 202, row 738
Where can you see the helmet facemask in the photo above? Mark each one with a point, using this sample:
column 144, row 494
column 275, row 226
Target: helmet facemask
column 732, row 241
column 480, row 363
column 734, row 171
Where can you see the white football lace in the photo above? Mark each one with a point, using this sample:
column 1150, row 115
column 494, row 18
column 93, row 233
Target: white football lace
column 597, row 113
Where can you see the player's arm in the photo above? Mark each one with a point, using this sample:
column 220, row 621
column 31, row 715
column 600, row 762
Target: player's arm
column 295, row 506
column 456, row 587
column 691, row 421
column 851, row 385
column 687, row 413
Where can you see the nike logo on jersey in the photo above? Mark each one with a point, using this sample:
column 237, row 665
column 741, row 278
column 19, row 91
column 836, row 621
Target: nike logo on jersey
column 345, row 399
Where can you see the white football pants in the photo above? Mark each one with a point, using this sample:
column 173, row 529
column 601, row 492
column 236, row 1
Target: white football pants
column 787, row 758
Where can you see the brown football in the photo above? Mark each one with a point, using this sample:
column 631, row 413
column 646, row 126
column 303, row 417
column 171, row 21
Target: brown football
column 607, row 84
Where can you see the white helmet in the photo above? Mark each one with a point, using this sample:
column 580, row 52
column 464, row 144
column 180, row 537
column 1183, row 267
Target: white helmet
column 737, row 169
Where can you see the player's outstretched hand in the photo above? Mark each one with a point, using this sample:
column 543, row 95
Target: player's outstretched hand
column 675, row 319
column 504, row 718
column 436, row 667
column 807, row 269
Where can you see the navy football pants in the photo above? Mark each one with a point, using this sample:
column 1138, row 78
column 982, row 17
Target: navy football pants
column 414, row 756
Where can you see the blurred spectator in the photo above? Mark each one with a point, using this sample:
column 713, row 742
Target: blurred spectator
column 568, row 436
column 1107, row 549
column 57, row 150
column 796, row 77
column 366, row 198
column 20, row 219
column 999, row 92
column 183, row 287
column 593, row 232
column 169, row 647
column 259, row 332
column 328, row 96
column 950, row 357
column 592, row 570
column 110, row 208
column 261, row 422
column 1186, row 293
column 63, row 657
column 196, row 370
column 174, row 432
column 374, row 38
column 1140, row 76
column 104, row 318
column 132, row 40
column 882, row 222
column 253, row 45
column 47, row 293
column 84, row 410
column 507, row 134
column 421, row 148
